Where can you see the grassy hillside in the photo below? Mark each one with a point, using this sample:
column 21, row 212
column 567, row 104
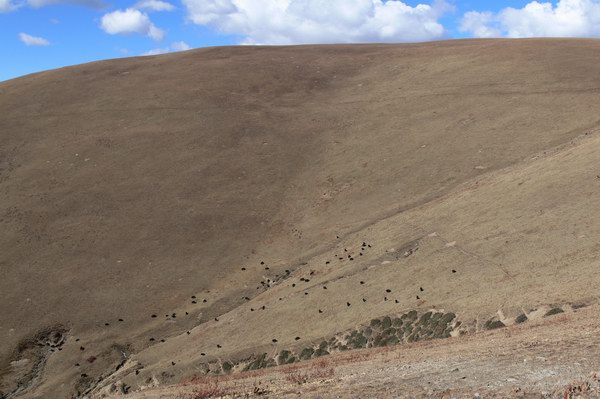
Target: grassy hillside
column 211, row 181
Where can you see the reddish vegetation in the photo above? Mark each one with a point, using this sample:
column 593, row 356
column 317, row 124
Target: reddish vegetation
column 316, row 371
column 206, row 391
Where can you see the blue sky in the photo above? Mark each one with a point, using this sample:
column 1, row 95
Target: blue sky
column 42, row 34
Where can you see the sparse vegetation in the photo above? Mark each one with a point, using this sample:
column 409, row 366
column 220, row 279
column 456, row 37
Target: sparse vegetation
column 493, row 324
column 319, row 370
column 384, row 332
column 306, row 353
column 227, row 367
column 554, row 311
column 521, row 318
column 209, row 390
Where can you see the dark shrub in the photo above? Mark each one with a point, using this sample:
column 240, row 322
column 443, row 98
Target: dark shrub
column 553, row 311
column 522, row 318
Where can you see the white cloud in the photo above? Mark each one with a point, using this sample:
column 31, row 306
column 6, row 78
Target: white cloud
column 32, row 40
column 85, row 3
column 157, row 51
column 480, row 24
column 130, row 21
column 154, row 5
column 180, row 46
column 7, row 6
column 175, row 46
column 568, row 18
column 320, row 21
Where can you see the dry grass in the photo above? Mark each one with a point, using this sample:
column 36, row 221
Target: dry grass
column 210, row 390
column 317, row 371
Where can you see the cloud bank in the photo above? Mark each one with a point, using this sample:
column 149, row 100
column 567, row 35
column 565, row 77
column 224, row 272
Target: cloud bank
column 154, row 5
column 320, row 21
column 568, row 18
column 176, row 46
column 6, row 6
column 85, row 3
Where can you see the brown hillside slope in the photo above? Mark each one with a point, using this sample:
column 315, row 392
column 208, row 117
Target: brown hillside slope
column 128, row 186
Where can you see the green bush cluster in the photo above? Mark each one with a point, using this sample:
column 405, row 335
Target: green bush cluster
column 385, row 331
column 553, row 311
column 521, row 318
column 261, row 362
column 492, row 324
